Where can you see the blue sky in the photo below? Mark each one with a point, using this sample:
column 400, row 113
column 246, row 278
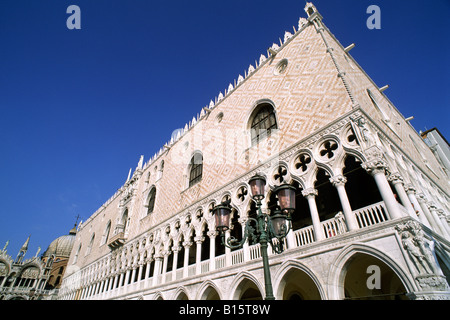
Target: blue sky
column 79, row 107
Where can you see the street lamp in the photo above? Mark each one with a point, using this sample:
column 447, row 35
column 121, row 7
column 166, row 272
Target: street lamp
column 266, row 229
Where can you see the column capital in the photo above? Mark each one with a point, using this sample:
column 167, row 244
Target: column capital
column 421, row 198
column 338, row 180
column 441, row 213
column 212, row 234
column 310, row 192
column 432, row 206
column 375, row 166
column 409, row 188
column 176, row 249
column 395, row 178
column 199, row 239
column 187, row 244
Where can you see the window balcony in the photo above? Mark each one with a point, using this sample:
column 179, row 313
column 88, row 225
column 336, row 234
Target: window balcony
column 117, row 240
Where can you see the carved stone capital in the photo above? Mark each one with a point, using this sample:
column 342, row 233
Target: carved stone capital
column 432, row 206
column 421, row 198
column 395, row 178
column 409, row 189
column 199, row 239
column 311, row 192
column 339, row 180
column 212, row 234
column 187, row 244
column 375, row 166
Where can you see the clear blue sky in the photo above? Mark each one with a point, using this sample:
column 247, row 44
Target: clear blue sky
column 79, row 107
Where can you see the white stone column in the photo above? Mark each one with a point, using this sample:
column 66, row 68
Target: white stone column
column 141, row 264
column 377, row 169
column 443, row 218
column 186, row 245
column 133, row 273
column 411, row 192
column 175, row 250
column 212, row 250
column 397, row 180
column 227, row 250
column 157, row 269
column 423, row 204
column 166, row 254
column 311, row 194
column 198, row 254
column 339, row 183
column 147, row 269
column 127, row 276
column 434, row 212
column 245, row 246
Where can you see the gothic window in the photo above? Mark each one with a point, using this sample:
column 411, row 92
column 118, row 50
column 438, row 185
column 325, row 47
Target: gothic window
column 263, row 123
column 89, row 248
column 377, row 106
column 76, row 254
column 106, row 233
column 151, row 201
column 196, row 169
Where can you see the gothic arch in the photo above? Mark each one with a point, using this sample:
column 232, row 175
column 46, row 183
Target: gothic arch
column 158, row 296
column 207, row 289
column 7, row 264
column 180, row 294
column 240, row 282
column 336, row 275
column 290, row 266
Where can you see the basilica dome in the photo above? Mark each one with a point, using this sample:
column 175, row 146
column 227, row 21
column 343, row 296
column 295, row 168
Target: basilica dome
column 62, row 246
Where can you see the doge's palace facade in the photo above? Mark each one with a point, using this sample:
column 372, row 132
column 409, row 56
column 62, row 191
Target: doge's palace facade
column 370, row 195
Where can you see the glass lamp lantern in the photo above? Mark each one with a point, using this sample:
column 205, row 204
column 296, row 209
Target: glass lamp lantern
column 279, row 224
column 257, row 186
column 222, row 215
column 286, row 198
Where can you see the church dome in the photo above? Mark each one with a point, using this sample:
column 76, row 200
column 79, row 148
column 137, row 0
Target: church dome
column 62, row 246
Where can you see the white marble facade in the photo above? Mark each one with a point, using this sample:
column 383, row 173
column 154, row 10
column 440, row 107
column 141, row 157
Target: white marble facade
column 371, row 197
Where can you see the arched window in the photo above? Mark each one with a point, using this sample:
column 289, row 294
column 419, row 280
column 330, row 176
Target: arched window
column 196, row 169
column 89, row 248
column 151, row 201
column 106, row 233
column 75, row 259
column 263, row 123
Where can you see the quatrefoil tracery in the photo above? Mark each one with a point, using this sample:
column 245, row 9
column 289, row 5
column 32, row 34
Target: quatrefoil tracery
column 302, row 162
column 242, row 193
column 328, row 149
column 280, row 174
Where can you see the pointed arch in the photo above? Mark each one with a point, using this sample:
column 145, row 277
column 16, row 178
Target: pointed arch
column 241, row 283
column 337, row 272
column 150, row 201
column 296, row 269
column 209, row 291
column 180, row 294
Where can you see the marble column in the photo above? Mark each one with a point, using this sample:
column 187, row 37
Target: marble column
column 339, row 183
column 397, row 180
column 311, row 194
column 377, row 169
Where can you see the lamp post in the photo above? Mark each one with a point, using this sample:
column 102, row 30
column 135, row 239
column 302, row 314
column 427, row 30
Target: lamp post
column 267, row 229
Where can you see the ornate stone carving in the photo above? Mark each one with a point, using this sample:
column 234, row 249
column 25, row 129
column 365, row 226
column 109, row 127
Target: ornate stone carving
column 338, row 180
column 375, row 166
column 311, row 192
column 420, row 251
